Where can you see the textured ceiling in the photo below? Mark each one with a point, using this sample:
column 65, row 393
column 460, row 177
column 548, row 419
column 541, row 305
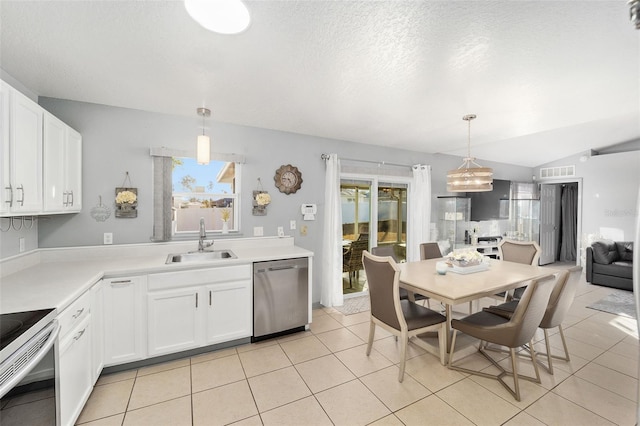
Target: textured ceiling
column 546, row 79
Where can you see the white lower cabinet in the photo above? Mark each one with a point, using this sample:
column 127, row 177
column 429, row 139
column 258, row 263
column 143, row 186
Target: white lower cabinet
column 174, row 320
column 97, row 330
column 189, row 309
column 229, row 311
column 75, row 371
column 125, row 317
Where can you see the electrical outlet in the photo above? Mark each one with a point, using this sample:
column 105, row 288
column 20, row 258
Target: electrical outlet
column 303, row 230
column 280, row 231
column 292, row 224
column 258, row 231
column 107, row 238
column 22, row 245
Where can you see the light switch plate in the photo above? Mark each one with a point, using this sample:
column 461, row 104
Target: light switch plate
column 280, row 231
column 107, row 238
column 292, row 224
column 303, row 230
column 22, row 245
column 258, row 231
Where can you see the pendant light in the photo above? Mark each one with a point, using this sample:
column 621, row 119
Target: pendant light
column 470, row 176
column 203, row 146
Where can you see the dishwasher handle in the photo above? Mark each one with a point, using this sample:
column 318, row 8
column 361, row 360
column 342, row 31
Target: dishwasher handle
column 277, row 268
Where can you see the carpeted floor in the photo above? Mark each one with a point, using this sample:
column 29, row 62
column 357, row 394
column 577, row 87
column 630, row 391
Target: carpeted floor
column 618, row 303
column 354, row 305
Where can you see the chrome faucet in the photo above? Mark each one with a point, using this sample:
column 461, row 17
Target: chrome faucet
column 203, row 235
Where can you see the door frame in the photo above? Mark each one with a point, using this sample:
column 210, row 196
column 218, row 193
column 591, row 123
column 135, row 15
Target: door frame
column 579, row 242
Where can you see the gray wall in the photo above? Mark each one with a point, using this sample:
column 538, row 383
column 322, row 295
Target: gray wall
column 117, row 140
column 610, row 190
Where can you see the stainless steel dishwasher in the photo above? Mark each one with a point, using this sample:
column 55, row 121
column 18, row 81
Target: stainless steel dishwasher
column 280, row 297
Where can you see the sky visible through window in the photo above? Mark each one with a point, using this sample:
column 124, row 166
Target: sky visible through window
column 198, row 175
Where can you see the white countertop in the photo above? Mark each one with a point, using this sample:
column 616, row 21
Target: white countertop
column 53, row 278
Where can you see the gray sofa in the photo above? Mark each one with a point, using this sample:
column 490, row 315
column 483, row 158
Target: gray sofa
column 610, row 263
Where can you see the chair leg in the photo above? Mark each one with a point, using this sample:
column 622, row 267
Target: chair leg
column 372, row 332
column 514, row 368
column 546, row 342
column 535, row 362
column 403, row 355
column 453, row 346
column 350, row 284
column 564, row 344
column 549, row 355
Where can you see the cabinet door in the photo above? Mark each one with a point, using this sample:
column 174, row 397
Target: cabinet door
column 174, row 320
column 229, row 311
column 55, row 193
column 97, row 331
column 73, row 169
column 124, row 320
column 26, row 153
column 4, row 149
column 75, row 371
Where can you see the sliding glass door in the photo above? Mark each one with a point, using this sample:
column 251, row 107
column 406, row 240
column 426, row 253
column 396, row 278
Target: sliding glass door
column 392, row 218
column 374, row 213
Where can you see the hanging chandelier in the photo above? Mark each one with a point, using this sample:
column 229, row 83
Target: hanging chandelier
column 470, row 176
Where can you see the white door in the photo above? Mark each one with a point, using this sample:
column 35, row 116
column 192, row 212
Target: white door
column 54, row 163
column 174, row 320
column 4, row 149
column 124, row 320
column 26, row 153
column 75, row 371
column 549, row 215
column 229, row 313
column 73, row 177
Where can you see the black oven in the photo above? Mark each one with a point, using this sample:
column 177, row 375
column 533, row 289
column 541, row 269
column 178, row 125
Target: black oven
column 28, row 358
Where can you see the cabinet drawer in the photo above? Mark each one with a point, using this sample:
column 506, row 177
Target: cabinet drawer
column 198, row 277
column 74, row 314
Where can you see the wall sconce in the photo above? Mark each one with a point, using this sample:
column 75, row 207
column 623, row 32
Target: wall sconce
column 203, row 147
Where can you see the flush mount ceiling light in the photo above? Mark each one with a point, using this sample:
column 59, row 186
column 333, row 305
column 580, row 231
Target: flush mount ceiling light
column 203, row 146
column 220, row 16
column 470, row 176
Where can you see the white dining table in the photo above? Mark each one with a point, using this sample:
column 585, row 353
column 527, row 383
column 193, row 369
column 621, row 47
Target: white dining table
column 454, row 288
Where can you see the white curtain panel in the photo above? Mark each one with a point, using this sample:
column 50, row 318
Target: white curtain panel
column 331, row 294
column 419, row 211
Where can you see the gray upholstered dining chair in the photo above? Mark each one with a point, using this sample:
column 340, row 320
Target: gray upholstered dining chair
column 430, row 251
column 525, row 252
column 511, row 332
column 389, row 251
column 402, row 318
column 559, row 303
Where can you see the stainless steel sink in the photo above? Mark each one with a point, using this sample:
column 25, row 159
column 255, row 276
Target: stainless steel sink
column 205, row 256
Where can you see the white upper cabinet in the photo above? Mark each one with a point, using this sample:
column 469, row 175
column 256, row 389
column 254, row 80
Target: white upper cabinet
column 22, row 154
column 4, row 149
column 40, row 159
column 62, row 167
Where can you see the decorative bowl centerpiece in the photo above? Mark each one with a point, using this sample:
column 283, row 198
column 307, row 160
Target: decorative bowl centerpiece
column 465, row 258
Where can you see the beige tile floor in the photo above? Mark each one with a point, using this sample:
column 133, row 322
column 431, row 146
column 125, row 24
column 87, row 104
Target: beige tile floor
column 323, row 377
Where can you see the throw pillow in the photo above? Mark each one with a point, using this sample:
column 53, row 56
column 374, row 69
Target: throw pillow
column 604, row 252
column 625, row 250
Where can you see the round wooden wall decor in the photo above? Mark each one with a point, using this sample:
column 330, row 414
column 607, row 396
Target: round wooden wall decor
column 288, row 179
